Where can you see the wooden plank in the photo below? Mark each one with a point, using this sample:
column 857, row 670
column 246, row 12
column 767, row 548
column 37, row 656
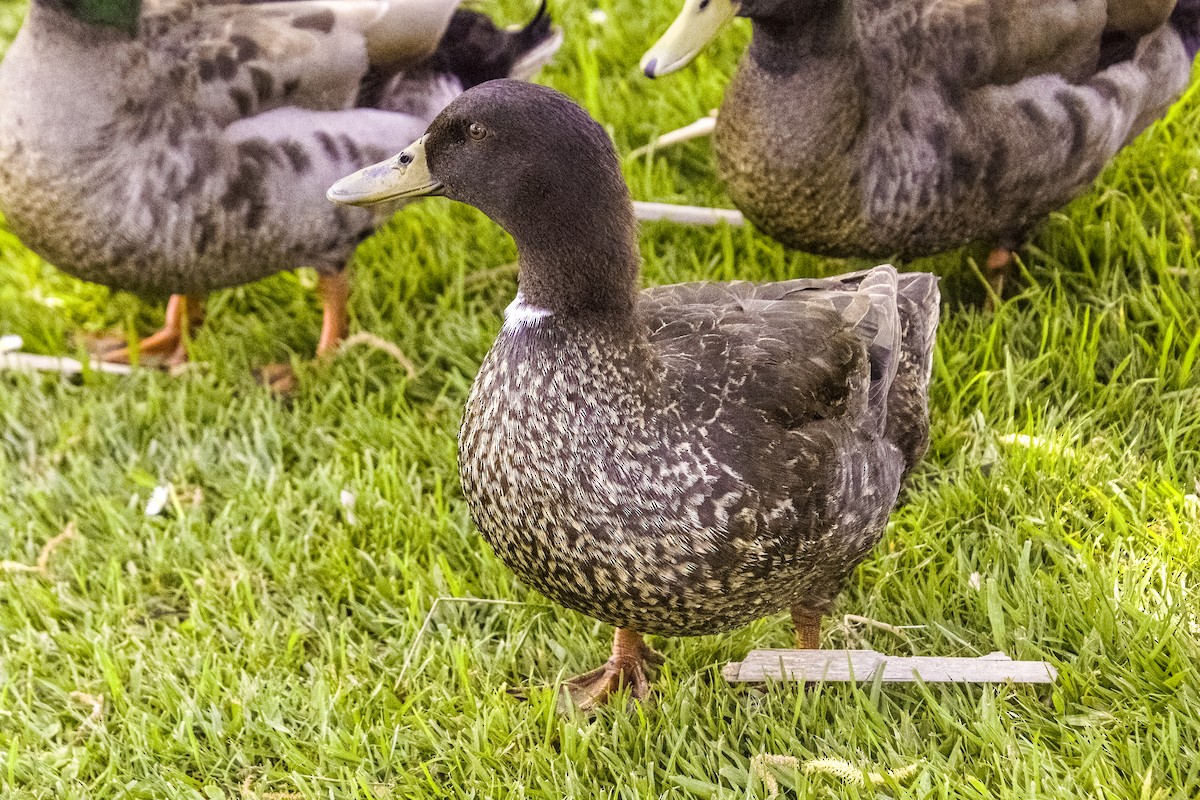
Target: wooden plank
column 839, row 666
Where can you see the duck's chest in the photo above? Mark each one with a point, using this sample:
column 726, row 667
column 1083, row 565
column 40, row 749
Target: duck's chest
column 789, row 148
column 552, row 431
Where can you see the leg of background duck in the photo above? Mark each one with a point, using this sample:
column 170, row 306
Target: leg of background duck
column 334, row 291
column 185, row 313
column 627, row 667
column 808, row 628
column 999, row 268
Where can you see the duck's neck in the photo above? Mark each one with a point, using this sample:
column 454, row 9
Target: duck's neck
column 578, row 250
column 801, row 29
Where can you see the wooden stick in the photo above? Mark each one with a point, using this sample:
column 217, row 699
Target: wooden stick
column 695, row 130
column 686, row 215
column 839, row 666
column 29, row 362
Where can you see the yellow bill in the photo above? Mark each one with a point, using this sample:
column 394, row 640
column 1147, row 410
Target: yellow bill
column 697, row 25
column 402, row 176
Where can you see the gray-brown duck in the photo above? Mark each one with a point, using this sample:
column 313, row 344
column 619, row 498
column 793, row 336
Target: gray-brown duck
column 680, row 460
column 902, row 128
column 186, row 146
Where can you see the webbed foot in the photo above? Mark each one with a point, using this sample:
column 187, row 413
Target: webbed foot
column 628, row 667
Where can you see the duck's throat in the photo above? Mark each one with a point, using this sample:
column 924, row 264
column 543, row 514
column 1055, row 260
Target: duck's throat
column 781, row 42
column 579, row 266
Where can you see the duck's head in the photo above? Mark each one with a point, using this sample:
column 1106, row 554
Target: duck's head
column 699, row 23
column 121, row 15
column 537, row 164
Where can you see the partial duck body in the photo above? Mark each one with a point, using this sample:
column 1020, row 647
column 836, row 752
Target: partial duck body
column 681, row 460
column 186, row 147
column 881, row 128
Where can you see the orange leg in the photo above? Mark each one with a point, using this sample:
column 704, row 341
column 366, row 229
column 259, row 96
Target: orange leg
column 808, row 628
column 334, row 291
column 998, row 271
column 185, row 313
column 628, row 666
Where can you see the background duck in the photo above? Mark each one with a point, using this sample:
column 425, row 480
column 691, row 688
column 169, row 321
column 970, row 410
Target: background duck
column 678, row 461
column 901, row 128
column 187, row 146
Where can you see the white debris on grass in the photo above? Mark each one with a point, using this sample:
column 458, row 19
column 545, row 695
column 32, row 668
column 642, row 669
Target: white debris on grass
column 158, row 500
column 347, row 499
column 1036, row 443
column 597, row 16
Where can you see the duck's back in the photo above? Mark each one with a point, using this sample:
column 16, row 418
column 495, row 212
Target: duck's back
column 196, row 156
column 855, row 350
column 948, row 123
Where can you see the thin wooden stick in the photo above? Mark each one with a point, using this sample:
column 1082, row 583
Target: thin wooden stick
column 686, row 215
column 30, row 362
column 695, row 130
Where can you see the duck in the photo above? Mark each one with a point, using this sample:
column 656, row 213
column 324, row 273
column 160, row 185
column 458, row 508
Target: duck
column 679, row 460
column 178, row 147
column 904, row 128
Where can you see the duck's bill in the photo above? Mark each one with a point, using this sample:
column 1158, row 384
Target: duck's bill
column 697, row 25
column 402, row 176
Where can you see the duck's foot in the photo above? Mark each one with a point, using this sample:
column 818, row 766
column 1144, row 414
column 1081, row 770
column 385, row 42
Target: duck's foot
column 166, row 347
column 628, row 667
column 997, row 271
column 334, row 291
column 279, row 378
column 808, row 628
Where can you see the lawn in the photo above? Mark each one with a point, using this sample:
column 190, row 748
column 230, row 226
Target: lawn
column 275, row 631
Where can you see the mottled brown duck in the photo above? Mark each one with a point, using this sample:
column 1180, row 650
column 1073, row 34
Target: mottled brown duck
column 902, row 128
column 186, row 146
column 680, row 460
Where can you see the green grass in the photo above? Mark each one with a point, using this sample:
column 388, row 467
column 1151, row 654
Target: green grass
column 255, row 632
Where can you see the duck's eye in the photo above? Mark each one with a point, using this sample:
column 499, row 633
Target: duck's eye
column 476, row 131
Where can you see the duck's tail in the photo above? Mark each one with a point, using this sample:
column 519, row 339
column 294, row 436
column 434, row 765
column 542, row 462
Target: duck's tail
column 918, row 302
column 472, row 50
column 1185, row 19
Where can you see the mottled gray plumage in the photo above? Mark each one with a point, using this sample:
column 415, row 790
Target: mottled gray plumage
column 195, row 155
column 729, row 453
column 906, row 127
column 686, row 459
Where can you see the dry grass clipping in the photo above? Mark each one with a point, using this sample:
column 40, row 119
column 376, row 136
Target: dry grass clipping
column 383, row 345
column 42, row 567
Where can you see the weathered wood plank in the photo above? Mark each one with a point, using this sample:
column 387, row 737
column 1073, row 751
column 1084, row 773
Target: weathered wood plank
column 833, row 666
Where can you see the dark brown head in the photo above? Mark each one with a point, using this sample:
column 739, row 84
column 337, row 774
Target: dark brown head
column 537, row 164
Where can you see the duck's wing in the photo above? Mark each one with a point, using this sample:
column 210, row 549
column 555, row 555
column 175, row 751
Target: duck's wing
column 798, row 351
column 237, row 59
column 945, row 133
